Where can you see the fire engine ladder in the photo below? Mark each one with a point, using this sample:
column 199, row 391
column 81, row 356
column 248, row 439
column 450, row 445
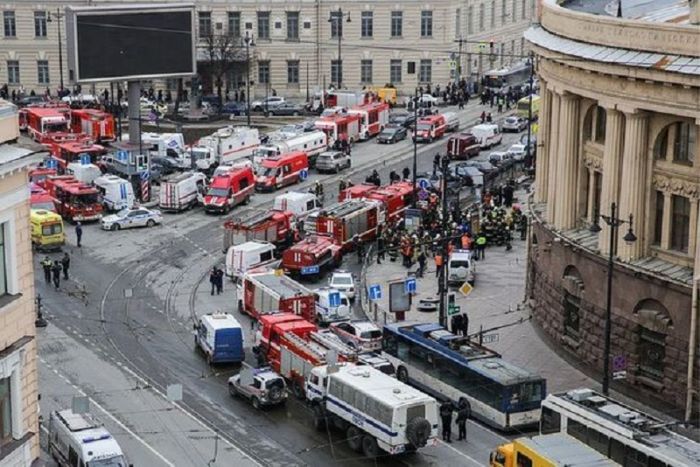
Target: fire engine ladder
column 330, row 341
column 256, row 219
column 345, row 208
column 313, row 349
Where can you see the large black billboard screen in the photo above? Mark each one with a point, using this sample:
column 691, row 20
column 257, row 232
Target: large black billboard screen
column 112, row 46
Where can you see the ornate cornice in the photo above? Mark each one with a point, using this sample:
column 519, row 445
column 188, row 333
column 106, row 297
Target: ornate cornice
column 593, row 162
column 676, row 186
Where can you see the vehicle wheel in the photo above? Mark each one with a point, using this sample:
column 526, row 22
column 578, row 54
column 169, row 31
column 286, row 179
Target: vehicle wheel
column 354, row 438
column 115, row 227
column 232, row 391
column 256, row 403
column 150, row 223
column 402, row 374
column 319, row 417
column 370, row 448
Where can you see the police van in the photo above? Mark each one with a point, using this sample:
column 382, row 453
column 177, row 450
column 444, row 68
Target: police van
column 80, row 440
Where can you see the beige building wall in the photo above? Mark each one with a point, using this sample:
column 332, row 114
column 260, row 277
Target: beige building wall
column 17, row 332
column 502, row 21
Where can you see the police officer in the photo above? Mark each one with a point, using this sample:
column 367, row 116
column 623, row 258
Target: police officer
column 46, row 266
column 462, row 416
column 56, row 269
column 446, row 417
column 65, row 263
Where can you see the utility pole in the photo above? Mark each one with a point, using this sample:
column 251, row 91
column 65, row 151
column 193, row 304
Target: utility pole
column 442, row 286
column 460, row 41
column 415, row 147
column 529, row 158
column 248, row 42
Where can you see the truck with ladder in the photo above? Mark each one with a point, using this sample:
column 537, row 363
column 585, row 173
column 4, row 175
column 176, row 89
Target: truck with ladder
column 343, row 221
column 269, row 226
column 267, row 291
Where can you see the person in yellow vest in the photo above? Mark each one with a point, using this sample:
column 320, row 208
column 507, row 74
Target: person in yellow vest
column 481, row 246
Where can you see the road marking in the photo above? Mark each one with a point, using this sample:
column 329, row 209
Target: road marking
column 106, row 412
column 460, row 452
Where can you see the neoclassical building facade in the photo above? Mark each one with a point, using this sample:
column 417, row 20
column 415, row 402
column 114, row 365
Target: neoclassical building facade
column 619, row 126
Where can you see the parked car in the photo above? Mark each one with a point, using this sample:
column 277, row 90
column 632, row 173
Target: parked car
column 500, row 159
column 514, row 123
column 286, row 109
column 405, row 119
column 517, row 152
column 261, row 386
column 332, row 161
column 233, row 109
column 344, row 282
column 363, row 335
column 392, row 134
column 472, row 176
column 132, row 217
column 489, row 170
column 268, row 103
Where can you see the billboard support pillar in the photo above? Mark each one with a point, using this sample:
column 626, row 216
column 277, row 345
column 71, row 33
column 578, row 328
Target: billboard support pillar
column 134, row 100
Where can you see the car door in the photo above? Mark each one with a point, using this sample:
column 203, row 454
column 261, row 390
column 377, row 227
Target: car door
column 133, row 219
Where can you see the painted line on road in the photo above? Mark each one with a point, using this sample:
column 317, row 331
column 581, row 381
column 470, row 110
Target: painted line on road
column 467, row 456
column 109, row 414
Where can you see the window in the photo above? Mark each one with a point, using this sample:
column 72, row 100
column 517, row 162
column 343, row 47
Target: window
column 658, row 217
column 504, row 15
column 680, row 223
column 426, row 71
column 5, row 410
column 572, row 310
column 458, row 22
column 395, row 71
column 481, row 17
column 523, row 13
column 600, row 121
column 293, row 72
column 307, row 24
column 367, row 24
column 652, row 351
column 293, row 25
column 513, row 14
column 550, row 421
column 396, row 23
column 493, row 14
column 426, row 24
column 366, row 71
column 40, row 23
column 204, row 23
column 336, row 24
column 502, row 47
column 661, row 145
column 336, row 71
column 523, row 461
column 522, row 46
column 234, row 24
column 264, row 25
column 3, row 266
column 411, row 68
column 8, row 18
column 13, row 72
column 470, row 20
column 264, row 71
column 42, row 67
column 684, row 142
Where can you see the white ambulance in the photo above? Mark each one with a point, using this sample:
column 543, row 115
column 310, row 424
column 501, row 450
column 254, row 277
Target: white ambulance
column 250, row 255
column 116, row 192
column 182, row 192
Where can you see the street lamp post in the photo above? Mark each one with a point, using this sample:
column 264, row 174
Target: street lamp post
column 58, row 17
column 248, row 43
column 337, row 18
column 415, row 147
column 613, row 223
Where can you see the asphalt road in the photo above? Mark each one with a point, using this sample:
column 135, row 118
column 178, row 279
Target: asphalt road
column 130, row 309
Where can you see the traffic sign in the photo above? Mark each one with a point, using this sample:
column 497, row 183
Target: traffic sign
column 424, row 183
column 334, row 299
column 466, row 289
column 50, row 163
column 84, row 159
column 423, row 194
column 122, row 155
column 310, row 270
column 144, row 175
column 303, row 174
column 454, row 310
column 619, row 363
column 375, row 292
column 409, row 285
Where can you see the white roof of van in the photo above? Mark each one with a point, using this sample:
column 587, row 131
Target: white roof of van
column 296, row 195
column 109, row 179
column 484, row 126
column 221, row 321
column 253, row 246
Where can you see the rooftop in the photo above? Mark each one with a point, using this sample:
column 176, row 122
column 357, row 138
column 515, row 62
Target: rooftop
column 671, row 11
column 13, row 158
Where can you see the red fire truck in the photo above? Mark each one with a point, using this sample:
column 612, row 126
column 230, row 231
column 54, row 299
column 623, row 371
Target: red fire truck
column 311, row 255
column 373, row 117
column 340, row 127
column 42, row 121
column 97, row 124
column 40, row 174
column 342, row 221
column 269, row 226
column 356, row 192
column 395, row 197
column 267, row 291
column 70, row 151
column 292, row 346
column 75, row 201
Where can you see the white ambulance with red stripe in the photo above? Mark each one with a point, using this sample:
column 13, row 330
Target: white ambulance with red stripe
column 225, row 146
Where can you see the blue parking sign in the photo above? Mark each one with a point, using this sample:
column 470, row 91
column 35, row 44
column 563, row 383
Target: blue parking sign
column 409, row 285
column 303, row 174
column 50, row 163
column 334, row 299
column 85, row 159
column 122, row 155
column 375, row 292
column 424, row 183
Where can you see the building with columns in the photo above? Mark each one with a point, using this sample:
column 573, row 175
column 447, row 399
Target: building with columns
column 619, row 127
column 407, row 42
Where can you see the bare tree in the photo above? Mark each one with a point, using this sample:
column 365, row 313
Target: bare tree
column 220, row 52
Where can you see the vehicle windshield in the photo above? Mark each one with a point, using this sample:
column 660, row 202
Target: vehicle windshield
column 389, row 131
column 52, row 127
column 342, row 280
column 424, row 126
column 398, row 118
column 51, row 229
column 84, row 199
column 219, row 192
column 265, row 152
column 46, row 205
column 199, row 153
column 116, row 461
column 376, row 334
column 269, row 171
column 459, row 264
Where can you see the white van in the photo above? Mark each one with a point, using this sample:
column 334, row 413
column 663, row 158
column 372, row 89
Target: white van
column 250, row 255
column 86, row 173
column 116, row 192
column 79, row 439
column 183, row 191
column 325, row 313
column 488, row 134
column 460, row 268
column 298, row 203
column 452, row 121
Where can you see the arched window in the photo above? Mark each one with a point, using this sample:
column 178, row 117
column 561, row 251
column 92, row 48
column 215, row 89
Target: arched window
column 573, row 292
column 677, row 141
column 654, row 322
column 600, row 121
column 588, row 125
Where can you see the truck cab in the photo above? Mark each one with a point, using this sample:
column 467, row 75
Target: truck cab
column 230, row 189
column 299, row 203
column 430, row 128
column 220, row 337
column 249, row 255
column 280, row 171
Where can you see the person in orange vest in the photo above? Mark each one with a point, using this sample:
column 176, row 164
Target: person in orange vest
column 438, row 263
column 466, row 241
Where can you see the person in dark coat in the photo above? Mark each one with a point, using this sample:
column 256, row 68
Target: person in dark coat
column 219, row 281
column 46, row 265
column 78, row 233
column 464, row 327
column 508, row 195
column 212, row 280
column 406, row 173
column 462, row 416
column 65, row 263
column 56, row 270
column 446, row 418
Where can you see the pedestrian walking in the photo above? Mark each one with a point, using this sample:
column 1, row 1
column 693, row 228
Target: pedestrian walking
column 79, row 233
column 46, row 266
column 464, row 328
column 406, row 173
column 212, row 280
column 421, row 263
column 462, row 416
column 65, row 263
column 219, row 281
column 438, row 263
column 481, row 246
column 56, row 270
column 446, row 417
column 436, row 163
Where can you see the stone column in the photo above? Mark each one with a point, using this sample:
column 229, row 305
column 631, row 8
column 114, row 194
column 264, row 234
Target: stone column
column 590, row 211
column 693, row 247
column 543, row 141
column 666, row 221
column 634, row 184
column 567, row 163
column 552, row 156
column 612, row 163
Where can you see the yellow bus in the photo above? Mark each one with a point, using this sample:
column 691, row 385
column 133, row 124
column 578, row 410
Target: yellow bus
column 47, row 229
column 524, row 106
column 553, row 450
